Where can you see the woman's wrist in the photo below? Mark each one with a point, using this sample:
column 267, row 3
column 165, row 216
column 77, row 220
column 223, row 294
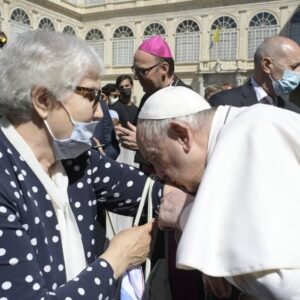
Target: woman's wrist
column 117, row 261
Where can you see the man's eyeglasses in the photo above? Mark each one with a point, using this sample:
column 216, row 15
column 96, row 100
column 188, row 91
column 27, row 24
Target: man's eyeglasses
column 142, row 72
column 93, row 95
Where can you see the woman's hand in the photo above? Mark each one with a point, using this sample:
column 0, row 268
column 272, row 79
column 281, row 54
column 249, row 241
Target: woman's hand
column 130, row 247
column 99, row 146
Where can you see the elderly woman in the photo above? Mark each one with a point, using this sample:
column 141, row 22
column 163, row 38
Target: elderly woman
column 53, row 186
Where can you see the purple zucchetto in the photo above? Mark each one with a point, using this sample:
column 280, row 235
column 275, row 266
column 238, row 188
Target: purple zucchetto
column 156, row 46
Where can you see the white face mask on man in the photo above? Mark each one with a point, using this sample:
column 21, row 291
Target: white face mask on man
column 78, row 143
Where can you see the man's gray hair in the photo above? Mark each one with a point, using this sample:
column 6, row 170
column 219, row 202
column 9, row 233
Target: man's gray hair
column 152, row 132
column 52, row 60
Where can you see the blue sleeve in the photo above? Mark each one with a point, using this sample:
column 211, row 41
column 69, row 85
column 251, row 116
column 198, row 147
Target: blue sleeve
column 21, row 276
column 105, row 133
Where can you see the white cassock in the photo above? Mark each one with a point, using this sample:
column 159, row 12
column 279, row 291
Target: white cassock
column 245, row 221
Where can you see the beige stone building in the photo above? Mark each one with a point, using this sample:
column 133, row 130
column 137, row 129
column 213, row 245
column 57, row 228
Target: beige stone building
column 213, row 41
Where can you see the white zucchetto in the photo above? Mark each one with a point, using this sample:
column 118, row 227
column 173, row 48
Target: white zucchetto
column 172, row 102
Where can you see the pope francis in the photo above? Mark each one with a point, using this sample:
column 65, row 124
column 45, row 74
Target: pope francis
column 242, row 166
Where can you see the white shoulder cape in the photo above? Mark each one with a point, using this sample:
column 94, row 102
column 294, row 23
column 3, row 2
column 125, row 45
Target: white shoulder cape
column 246, row 214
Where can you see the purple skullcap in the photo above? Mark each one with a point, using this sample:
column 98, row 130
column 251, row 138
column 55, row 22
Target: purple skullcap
column 157, row 46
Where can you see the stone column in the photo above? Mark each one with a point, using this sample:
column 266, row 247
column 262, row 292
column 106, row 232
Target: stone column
column 108, row 45
column 243, row 35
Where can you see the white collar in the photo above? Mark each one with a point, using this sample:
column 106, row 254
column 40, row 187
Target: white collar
column 259, row 91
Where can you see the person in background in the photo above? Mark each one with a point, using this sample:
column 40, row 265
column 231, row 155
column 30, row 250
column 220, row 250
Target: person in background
column 125, row 108
column 54, row 185
column 154, row 68
column 127, row 113
column 276, row 75
column 104, row 135
column 212, row 89
column 112, row 93
column 227, row 86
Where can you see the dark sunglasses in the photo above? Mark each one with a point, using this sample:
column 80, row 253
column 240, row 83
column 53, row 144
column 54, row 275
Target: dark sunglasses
column 93, row 95
column 142, row 72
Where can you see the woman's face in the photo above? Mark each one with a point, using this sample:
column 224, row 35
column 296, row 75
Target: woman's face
column 82, row 105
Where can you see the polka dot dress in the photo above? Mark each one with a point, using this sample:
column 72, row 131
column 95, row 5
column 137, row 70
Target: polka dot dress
column 31, row 257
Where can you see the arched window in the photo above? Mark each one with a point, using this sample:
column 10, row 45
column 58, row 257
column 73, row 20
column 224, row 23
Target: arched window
column 19, row 22
column 122, row 46
column 295, row 27
column 95, row 39
column 187, row 42
column 154, row 29
column 224, row 39
column 261, row 26
column 68, row 29
column 46, row 25
column 94, row 2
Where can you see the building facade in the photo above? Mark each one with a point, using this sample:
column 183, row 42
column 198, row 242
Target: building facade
column 213, row 41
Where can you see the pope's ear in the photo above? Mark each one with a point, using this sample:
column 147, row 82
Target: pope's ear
column 40, row 101
column 181, row 133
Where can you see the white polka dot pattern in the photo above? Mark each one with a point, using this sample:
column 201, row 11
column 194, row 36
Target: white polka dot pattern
column 31, row 254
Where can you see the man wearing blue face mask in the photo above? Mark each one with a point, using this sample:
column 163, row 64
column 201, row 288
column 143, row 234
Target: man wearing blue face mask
column 276, row 75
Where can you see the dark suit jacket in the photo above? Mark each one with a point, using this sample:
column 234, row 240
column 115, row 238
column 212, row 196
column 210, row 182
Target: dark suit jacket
column 245, row 96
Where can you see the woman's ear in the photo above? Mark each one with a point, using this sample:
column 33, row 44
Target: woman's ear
column 181, row 133
column 40, row 101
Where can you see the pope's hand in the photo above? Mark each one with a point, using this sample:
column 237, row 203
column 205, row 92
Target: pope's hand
column 172, row 204
column 130, row 247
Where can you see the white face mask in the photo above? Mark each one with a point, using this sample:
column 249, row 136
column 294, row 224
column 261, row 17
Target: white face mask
column 113, row 99
column 78, row 143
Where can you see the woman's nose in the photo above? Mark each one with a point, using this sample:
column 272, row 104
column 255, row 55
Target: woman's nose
column 98, row 112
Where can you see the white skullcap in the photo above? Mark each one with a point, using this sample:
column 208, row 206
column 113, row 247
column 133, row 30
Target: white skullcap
column 172, row 102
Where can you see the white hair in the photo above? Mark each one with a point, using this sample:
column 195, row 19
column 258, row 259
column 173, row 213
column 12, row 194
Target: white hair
column 152, row 132
column 52, row 60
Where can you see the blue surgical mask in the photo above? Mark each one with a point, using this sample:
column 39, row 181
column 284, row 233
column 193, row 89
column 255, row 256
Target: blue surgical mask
column 78, row 143
column 289, row 81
